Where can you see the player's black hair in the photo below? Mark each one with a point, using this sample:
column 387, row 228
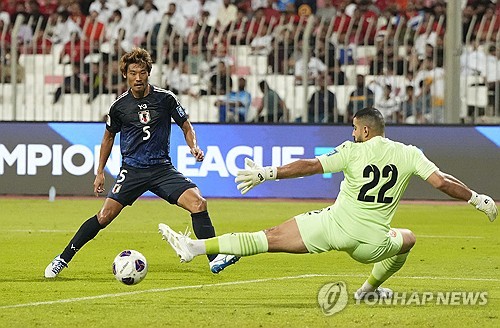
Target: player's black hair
column 372, row 118
column 136, row 56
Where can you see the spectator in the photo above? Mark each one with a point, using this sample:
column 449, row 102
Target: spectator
column 128, row 12
column 360, row 98
column 412, row 107
column 64, row 29
column 177, row 79
column 219, row 54
column 162, row 5
column 196, row 61
column 97, row 82
column 6, row 73
column 388, row 105
column 144, row 21
column 327, row 12
column 279, row 58
column 25, row 32
column 262, row 42
column 220, row 81
column 76, row 14
column 234, row 108
column 325, row 51
column 226, row 14
column 191, row 10
column 115, row 83
column 104, row 10
column 94, row 29
column 256, row 4
column 41, row 44
column 272, row 108
column 176, row 20
column 211, row 8
column 115, row 24
column 75, row 83
column 75, row 50
column 431, row 78
column 323, row 104
column 313, row 69
column 493, row 76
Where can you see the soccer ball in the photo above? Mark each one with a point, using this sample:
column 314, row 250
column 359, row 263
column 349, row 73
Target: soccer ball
column 130, row 267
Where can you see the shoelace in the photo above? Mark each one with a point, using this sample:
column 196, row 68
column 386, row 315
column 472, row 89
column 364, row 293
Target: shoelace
column 186, row 233
column 58, row 267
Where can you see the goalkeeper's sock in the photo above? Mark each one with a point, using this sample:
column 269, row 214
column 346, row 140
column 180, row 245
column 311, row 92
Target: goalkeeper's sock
column 382, row 271
column 239, row 244
column 87, row 231
column 203, row 228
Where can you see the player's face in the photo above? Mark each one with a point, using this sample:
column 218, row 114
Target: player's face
column 137, row 79
column 358, row 131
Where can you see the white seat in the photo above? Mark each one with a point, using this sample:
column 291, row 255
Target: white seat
column 477, row 96
column 352, row 70
column 342, row 94
column 201, row 109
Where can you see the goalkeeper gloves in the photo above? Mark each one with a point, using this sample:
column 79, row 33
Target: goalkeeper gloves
column 484, row 204
column 253, row 175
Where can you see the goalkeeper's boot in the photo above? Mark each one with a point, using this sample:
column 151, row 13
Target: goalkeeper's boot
column 55, row 267
column 222, row 261
column 178, row 241
column 379, row 293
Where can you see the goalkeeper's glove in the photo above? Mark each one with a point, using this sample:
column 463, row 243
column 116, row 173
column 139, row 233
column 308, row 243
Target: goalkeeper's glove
column 484, row 204
column 253, row 175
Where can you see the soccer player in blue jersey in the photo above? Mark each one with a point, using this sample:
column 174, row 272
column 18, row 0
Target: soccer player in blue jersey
column 142, row 115
column 376, row 173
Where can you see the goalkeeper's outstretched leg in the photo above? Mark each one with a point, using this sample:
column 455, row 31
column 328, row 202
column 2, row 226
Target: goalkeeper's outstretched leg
column 285, row 237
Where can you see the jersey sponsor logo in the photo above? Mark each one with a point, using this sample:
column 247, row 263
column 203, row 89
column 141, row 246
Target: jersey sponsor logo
column 144, row 116
column 181, row 111
column 108, row 120
column 392, row 233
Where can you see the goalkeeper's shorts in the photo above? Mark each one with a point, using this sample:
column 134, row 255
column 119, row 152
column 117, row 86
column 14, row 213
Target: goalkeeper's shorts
column 320, row 233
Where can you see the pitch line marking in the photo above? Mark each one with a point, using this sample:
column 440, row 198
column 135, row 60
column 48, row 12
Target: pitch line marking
column 230, row 283
column 154, row 232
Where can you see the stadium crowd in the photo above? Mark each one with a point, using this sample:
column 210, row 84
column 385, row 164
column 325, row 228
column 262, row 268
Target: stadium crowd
column 402, row 74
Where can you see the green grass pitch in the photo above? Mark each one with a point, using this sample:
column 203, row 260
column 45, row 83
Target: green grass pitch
column 457, row 250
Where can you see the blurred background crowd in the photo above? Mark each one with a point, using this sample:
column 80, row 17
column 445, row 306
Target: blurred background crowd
column 277, row 61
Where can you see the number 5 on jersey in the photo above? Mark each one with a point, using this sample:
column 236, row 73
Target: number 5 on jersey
column 147, row 134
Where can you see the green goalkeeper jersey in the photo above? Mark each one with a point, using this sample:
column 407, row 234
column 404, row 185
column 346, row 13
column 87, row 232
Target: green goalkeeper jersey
column 376, row 174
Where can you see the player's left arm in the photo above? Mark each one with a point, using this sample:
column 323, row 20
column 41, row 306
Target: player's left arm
column 106, row 147
column 457, row 189
column 190, row 137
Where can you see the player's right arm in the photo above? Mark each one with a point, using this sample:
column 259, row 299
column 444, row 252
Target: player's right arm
column 457, row 189
column 254, row 174
column 106, row 146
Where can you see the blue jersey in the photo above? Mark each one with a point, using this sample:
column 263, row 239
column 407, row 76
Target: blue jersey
column 145, row 125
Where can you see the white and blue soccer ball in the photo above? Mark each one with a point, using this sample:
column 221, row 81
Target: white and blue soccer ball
column 130, row 267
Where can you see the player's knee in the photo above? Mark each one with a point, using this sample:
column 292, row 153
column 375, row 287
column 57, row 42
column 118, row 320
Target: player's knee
column 409, row 240
column 105, row 216
column 199, row 205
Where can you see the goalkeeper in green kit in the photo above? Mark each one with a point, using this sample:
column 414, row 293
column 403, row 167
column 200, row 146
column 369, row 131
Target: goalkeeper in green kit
column 376, row 173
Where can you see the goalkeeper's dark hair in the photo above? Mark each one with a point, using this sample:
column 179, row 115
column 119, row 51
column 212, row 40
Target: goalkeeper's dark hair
column 136, row 56
column 372, row 118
